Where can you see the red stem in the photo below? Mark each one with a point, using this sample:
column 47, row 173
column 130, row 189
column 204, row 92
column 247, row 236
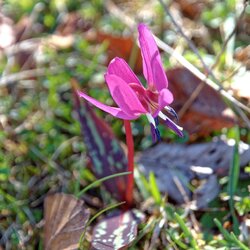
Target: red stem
column 130, row 145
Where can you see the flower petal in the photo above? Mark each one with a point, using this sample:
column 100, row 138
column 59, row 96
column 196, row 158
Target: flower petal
column 152, row 65
column 117, row 112
column 124, row 96
column 120, row 68
column 165, row 98
column 177, row 129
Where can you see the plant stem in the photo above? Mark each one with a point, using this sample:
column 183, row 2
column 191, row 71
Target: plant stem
column 130, row 145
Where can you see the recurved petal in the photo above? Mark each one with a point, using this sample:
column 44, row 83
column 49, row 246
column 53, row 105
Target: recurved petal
column 124, row 96
column 117, row 112
column 152, row 65
column 165, row 98
column 120, row 68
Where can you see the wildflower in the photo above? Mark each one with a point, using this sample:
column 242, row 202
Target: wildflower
column 132, row 98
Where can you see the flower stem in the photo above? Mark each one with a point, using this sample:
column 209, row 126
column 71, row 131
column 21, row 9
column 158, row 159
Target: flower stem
column 130, row 145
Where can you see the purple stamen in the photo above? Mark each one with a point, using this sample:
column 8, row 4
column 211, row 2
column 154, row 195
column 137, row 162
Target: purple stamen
column 173, row 127
column 156, row 121
column 155, row 133
column 158, row 134
column 172, row 112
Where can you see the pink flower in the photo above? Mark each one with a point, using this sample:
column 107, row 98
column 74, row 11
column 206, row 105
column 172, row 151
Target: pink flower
column 132, row 98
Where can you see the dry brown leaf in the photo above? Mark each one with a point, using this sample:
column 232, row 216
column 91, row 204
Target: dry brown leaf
column 65, row 220
column 207, row 113
column 192, row 8
column 205, row 193
column 118, row 47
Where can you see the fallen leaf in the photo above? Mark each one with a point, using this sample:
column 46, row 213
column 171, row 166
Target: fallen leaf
column 186, row 162
column 191, row 8
column 205, row 193
column 117, row 231
column 65, row 221
column 119, row 47
column 207, row 113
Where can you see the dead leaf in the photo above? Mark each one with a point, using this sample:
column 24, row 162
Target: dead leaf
column 118, row 47
column 191, row 8
column 117, row 231
column 186, row 162
column 205, row 193
column 65, row 221
column 207, row 112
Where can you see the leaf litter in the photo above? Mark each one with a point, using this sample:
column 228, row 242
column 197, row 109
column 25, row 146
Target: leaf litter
column 202, row 161
column 65, row 220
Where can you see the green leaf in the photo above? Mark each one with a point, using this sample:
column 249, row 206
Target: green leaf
column 186, row 231
column 98, row 182
column 154, row 188
column 233, row 179
column 230, row 238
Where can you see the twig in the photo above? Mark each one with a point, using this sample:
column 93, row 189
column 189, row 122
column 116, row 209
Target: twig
column 26, row 45
column 5, row 80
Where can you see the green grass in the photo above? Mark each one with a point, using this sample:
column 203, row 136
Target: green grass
column 42, row 149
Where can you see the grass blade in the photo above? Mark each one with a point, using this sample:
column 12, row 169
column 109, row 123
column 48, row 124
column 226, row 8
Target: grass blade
column 142, row 184
column 238, row 242
column 233, row 179
column 224, row 232
column 186, row 231
column 154, row 188
column 230, row 238
column 99, row 181
column 176, row 240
